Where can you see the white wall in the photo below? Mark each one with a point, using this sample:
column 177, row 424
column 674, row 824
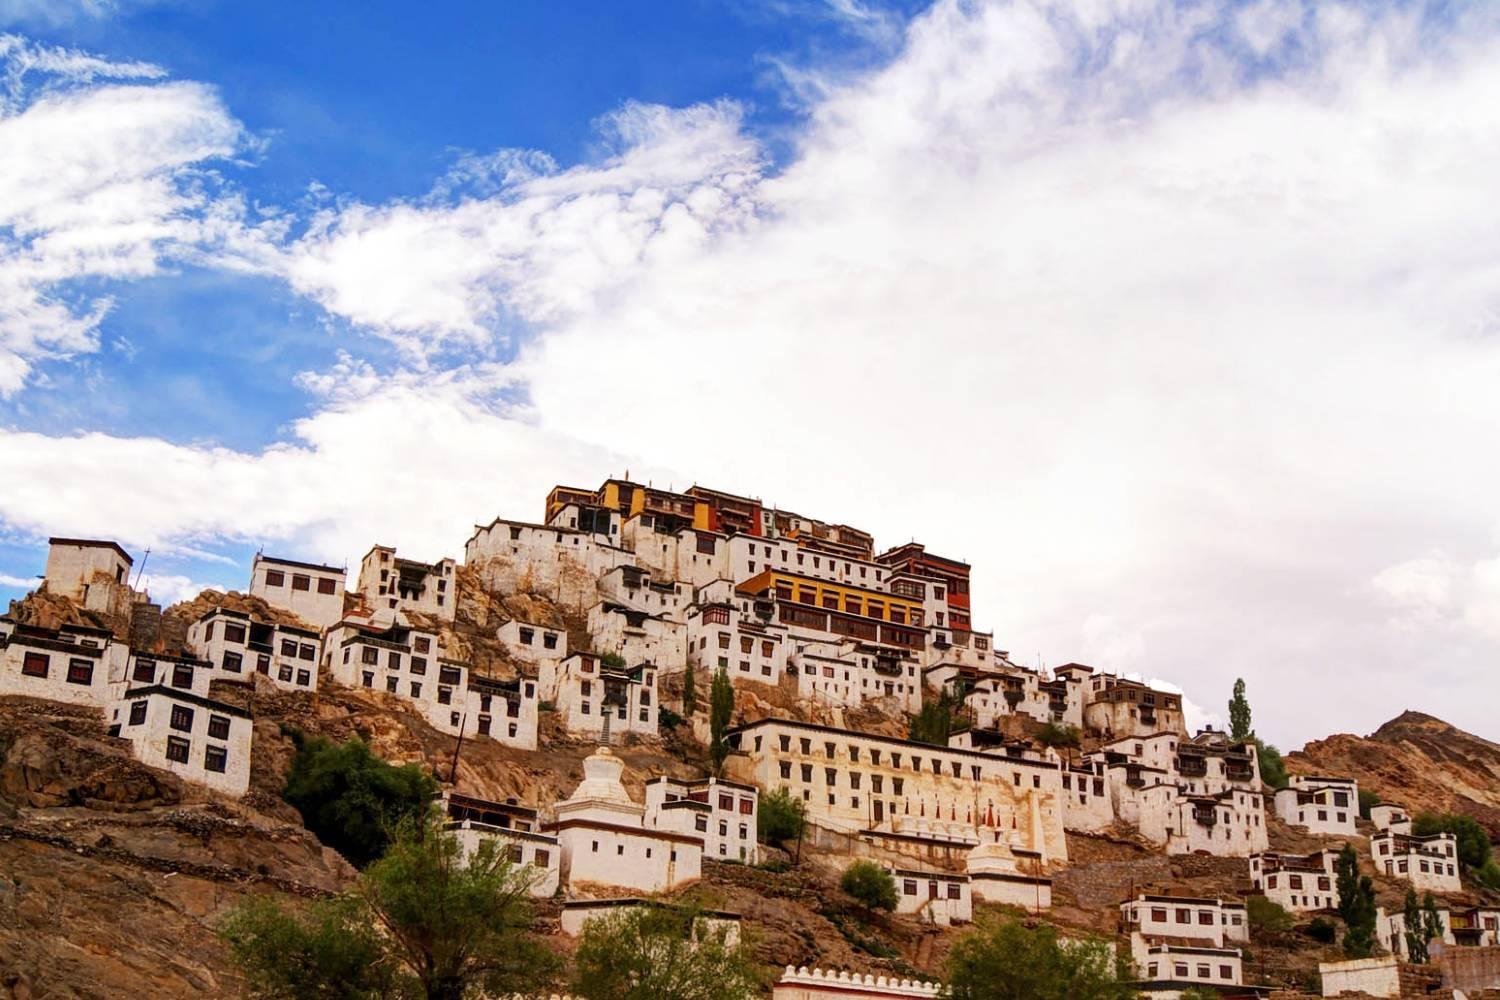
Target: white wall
column 152, row 736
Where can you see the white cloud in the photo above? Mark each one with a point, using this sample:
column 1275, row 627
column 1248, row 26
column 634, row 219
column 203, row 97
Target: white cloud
column 98, row 180
column 24, row 582
column 1178, row 324
column 170, row 588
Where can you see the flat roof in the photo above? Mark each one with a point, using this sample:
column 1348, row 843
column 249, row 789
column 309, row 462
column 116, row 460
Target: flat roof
column 176, row 694
column 815, row 727
column 260, row 558
column 93, row 543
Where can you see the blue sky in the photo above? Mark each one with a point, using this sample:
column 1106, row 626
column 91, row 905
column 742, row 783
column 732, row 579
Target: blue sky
column 1177, row 318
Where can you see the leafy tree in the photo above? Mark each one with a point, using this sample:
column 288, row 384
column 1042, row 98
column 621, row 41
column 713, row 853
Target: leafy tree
column 1267, row 916
column 1272, row 770
column 1004, row 959
column 689, row 691
column 614, row 660
column 1367, row 800
column 1432, row 922
column 1239, row 714
column 780, row 817
column 936, row 720
column 1473, row 842
column 352, row 799
column 871, row 884
column 1059, row 734
column 329, row 951
column 1198, row 993
column 1414, row 928
column 423, row 922
column 720, row 711
column 660, row 953
column 1356, row 905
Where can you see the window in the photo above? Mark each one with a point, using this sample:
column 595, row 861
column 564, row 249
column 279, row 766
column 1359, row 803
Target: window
column 275, row 578
column 418, row 666
column 232, row 662
column 233, row 632
column 307, row 652
column 393, row 660
column 145, row 672
column 218, row 727
column 80, row 672
column 182, row 676
column 390, row 684
column 304, row 678
column 301, row 582
column 909, row 887
column 35, row 664
column 327, row 585
column 137, row 713
column 178, row 749
column 182, row 718
column 1225, row 972
column 421, row 644
column 215, row 759
column 953, row 890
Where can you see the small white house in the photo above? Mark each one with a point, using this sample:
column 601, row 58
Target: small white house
column 1428, row 863
column 722, row 812
column 1390, row 818
column 389, row 583
column 310, row 591
column 203, row 741
column 585, row 691
column 576, row 914
column 1320, row 805
column 1166, row 969
column 515, row 827
column 241, row 646
column 1299, row 883
column 72, row 664
column 185, row 673
column 532, row 643
column 605, row 839
column 944, row 898
column 91, row 572
column 1214, row 923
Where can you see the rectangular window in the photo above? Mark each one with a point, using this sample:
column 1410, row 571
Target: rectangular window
column 327, row 585
column 137, row 712
column 145, row 672
column 233, row 632
column 304, row 678
column 289, row 650
column 182, row 676
column 390, row 684
column 301, row 582
column 218, row 727
column 393, row 660
column 275, row 578
column 232, row 662
column 307, row 652
column 215, row 759
column 80, row 672
column 178, row 749
column 35, row 664
column 182, row 718
column 421, row 644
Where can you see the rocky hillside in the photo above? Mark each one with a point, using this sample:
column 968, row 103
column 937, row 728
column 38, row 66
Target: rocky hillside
column 1417, row 761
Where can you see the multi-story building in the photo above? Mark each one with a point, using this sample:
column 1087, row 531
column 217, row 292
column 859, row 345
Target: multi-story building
column 1169, row 969
column 1428, row 863
column 1299, row 883
column 312, row 592
column 239, row 646
column 605, row 838
column 1320, row 805
column 721, row 812
column 203, row 740
column 949, row 577
column 514, row 827
column 639, row 636
column 563, row 563
column 91, row 572
column 74, row 664
column 942, row 898
column 864, row 784
column 532, row 643
column 594, row 697
column 720, row 636
column 1116, row 706
column 390, row 583
column 1212, row 923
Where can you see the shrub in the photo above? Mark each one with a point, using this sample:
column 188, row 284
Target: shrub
column 1007, row 960
column 1322, row 930
column 668, row 718
column 660, row 953
column 1367, row 801
column 871, row 884
column 936, row 720
column 352, row 799
column 1473, row 842
column 720, row 713
column 546, row 706
column 1272, row 770
column 1058, row 734
column 612, row 660
column 780, row 817
column 1267, row 916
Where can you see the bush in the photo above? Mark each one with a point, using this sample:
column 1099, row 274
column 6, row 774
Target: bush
column 1272, row 770
column 546, row 706
column 1058, row 734
column 1007, row 960
column 667, row 718
column 660, row 953
column 871, row 884
column 351, row 799
column 1473, row 841
column 1367, row 801
column 780, row 817
column 614, row 660
column 936, row 720
column 1322, row 930
column 1267, row 916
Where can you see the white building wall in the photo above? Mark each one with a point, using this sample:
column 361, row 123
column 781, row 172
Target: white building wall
column 1428, row 863
column 1297, row 884
column 718, row 637
column 311, row 592
column 61, row 671
column 563, row 564
column 74, row 566
column 639, row 637
column 1214, row 923
column 576, row 689
column 726, row 822
column 429, row 590
column 1175, row 964
column 939, row 897
column 1324, row 806
column 289, row 657
column 1376, row 977
column 159, row 736
column 539, row 854
column 1390, row 818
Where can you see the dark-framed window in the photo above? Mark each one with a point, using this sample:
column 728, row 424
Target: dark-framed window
column 275, row 578
column 327, row 585
column 145, row 672
column 80, row 671
column 232, row 662
column 178, row 749
column 182, row 718
column 35, row 664
column 215, row 759
column 218, row 727
column 301, row 582
column 137, row 712
column 182, row 676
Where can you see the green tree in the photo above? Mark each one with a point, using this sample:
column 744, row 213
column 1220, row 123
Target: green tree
column 423, row 922
column 1272, row 770
column 352, row 799
column 1356, row 905
column 689, row 691
column 1432, row 922
column 780, row 817
column 1414, row 929
column 871, row 884
column 660, row 953
column 1473, row 842
column 1059, row 734
column 1267, row 916
column 1367, row 800
column 1003, row 959
column 720, row 712
column 328, row 951
column 936, row 720
column 614, row 660
column 1239, row 714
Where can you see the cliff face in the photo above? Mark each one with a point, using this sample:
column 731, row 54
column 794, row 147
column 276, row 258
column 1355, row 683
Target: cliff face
column 1417, row 761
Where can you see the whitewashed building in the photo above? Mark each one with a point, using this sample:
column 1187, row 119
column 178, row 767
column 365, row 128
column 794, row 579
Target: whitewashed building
column 563, row 563
column 240, row 646
column 721, row 812
column 1229, row 824
column 1214, row 923
column 588, row 693
column 1002, row 873
column 1116, row 706
column 720, row 636
column 605, row 840
column 1320, row 805
column 514, row 827
column 942, row 898
column 1298, row 883
column 1390, row 818
column 1428, row 863
column 1168, row 969
column 312, row 592
column 577, row 913
column 91, row 572
column 639, row 636
column 202, row 740
column 829, row 984
column 390, row 583
column 185, row 673
column 73, row 664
